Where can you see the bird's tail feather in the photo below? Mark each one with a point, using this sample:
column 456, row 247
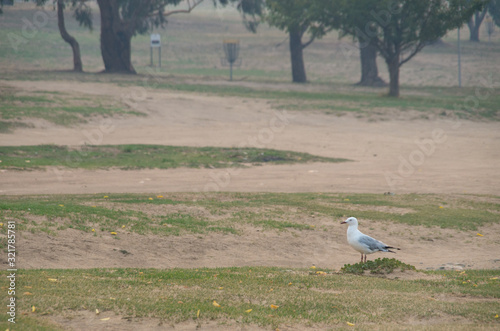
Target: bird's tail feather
column 387, row 247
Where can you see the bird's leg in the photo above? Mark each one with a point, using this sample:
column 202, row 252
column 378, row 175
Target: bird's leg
column 361, row 257
column 365, row 258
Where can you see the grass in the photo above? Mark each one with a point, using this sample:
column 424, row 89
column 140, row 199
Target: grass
column 316, row 298
column 58, row 108
column 298, row 297
column 229, row 213
column 147, row 156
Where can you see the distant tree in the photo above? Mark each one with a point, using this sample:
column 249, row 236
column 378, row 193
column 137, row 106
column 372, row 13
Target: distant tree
column 475, row 23
column 330, row 16
column 298, row 18
column 81, row 9
column 494, row 10
column 401, row 28
column 123, row 19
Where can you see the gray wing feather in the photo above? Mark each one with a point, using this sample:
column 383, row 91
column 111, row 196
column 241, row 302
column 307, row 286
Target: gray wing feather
column 373, row 244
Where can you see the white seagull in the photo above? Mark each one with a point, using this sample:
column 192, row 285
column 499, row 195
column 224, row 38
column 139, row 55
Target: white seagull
column 363, row 243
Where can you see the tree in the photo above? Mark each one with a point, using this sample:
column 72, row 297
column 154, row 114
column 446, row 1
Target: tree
column 123, row 19
column 369, row 69
column 494, row 10
column 401, row 28
column 475, row 23
column 328, row 14
column 81, row 9
column 297, row 18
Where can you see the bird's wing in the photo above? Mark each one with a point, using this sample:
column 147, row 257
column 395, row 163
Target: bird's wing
column 372, row 244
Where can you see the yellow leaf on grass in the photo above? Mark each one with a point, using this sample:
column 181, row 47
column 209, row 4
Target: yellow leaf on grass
column 33, row 309
column 248, row 310
column 159, row 196
column 496, row 316
column 313, row 267
column 1, row 225
column 27, row 293
column 150, row 198
column 61, row 205
column 480, row 235
column 494, row 278
column 105, row 319
column 52, row 280
column 215, row 304
column 350, row 324
column 105, row 197
column 123, row 226
column 97, row 311
column 113, row 233
column 198, row 314
column 289, row 283
column 274, row 307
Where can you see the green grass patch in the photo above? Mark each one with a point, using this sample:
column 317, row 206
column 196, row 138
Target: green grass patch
column 147, row 156
column 265, row 296
column 57, row 108
column 229, row 213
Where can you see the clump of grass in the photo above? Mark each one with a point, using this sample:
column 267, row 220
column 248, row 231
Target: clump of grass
column 378, row 266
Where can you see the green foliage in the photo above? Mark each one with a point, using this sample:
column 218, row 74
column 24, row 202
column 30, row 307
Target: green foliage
column 494, row 11
column 296, row 15
column 378, row 266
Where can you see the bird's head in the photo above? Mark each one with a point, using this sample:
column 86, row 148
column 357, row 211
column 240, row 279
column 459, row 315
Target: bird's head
column 350, row 220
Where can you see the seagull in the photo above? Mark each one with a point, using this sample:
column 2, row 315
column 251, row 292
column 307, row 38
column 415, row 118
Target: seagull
column 363, row 243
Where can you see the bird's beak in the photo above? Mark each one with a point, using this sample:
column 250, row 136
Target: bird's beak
column 344, row 222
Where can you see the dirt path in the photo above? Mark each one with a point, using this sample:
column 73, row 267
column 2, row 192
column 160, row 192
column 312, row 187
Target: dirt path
column 438, row 156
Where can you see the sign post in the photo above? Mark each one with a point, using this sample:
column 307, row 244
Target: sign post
column 155, row 43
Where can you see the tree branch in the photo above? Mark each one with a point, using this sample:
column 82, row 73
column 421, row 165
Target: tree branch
column 191, row 5
column 304, row 45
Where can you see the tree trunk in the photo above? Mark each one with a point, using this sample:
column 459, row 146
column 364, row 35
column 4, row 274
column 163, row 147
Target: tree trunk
column 475, row 23
column 393, row 66
column 77, row 59
column 369, row 69
column 473, row 30
column 115, row 39
column 297, row 57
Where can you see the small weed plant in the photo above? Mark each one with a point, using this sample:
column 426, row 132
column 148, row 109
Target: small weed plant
column 378, row 266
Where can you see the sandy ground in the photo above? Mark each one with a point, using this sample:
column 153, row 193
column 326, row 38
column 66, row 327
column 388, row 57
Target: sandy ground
column 399, row 155
column 424, row 156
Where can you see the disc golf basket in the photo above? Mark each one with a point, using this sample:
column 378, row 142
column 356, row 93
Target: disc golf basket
column 231, row 50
